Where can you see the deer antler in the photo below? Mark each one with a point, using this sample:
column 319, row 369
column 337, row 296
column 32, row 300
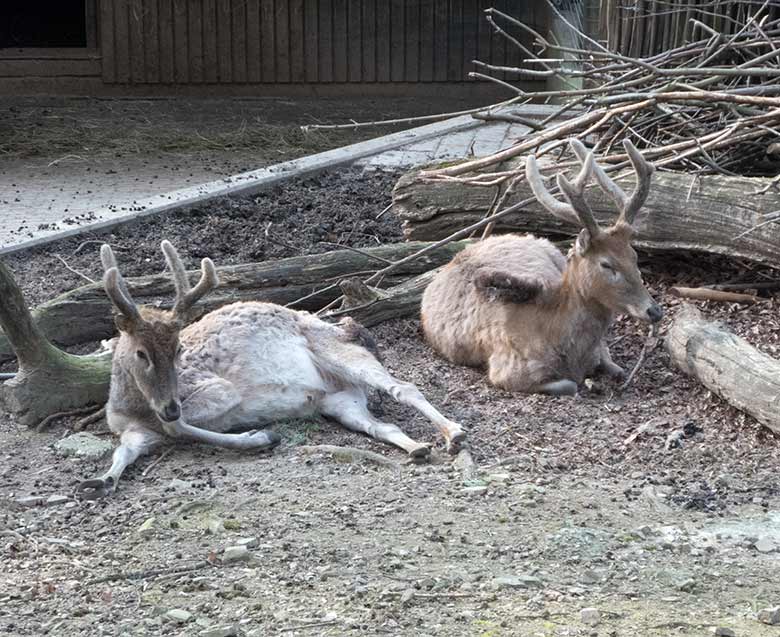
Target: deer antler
column 628, row 206
column 115, row 285
column 577, row 211
column 187, row 296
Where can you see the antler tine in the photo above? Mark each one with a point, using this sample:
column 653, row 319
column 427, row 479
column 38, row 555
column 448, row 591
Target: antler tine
column 575, row 193
column 117, row 292
column 121, row 297
column 208, row 281
column 180, row 279
column 644, row 174
column 628, row 206
column 187, row 296
column 563, row 211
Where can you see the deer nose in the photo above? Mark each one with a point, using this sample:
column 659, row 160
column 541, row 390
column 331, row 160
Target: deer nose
column 655, row 313
column 171, row 412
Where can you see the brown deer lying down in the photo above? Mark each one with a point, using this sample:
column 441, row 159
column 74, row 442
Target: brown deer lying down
column 239, row 366
column 538, row 320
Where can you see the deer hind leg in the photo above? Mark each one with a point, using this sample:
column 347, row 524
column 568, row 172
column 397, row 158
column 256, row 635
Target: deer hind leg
column 407, row 394
column 132, row 444
column 509, row 371
column 349, row 408
column 210, row 400
column 254, row 439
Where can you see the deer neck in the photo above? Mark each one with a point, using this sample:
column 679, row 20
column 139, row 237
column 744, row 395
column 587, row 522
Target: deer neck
column 579, row 315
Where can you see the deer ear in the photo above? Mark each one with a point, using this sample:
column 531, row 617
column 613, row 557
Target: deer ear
column 582, row 244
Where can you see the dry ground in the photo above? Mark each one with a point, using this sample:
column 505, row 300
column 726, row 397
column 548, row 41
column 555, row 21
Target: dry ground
column 662, row 541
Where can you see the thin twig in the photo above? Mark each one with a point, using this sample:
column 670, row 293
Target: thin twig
column 73, row 270
column 157, row 461
column 63, row 414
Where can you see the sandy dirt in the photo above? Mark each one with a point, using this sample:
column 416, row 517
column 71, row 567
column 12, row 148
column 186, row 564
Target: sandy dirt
column 570, row 509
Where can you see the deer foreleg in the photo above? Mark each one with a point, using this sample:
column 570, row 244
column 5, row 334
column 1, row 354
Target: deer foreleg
column 133, row 444
column 209, row 401
column 257, row 440
column 607, row 365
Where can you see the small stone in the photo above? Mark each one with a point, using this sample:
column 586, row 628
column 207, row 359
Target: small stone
column 770, row 616
column 498, row 477
column 178, row 615
column 590, row 616
column 179, row 484
column 765, row 545
column 236, row 554
column 84, row 445
column 249, row 542
column 221, row 631
column 31, row 500
column 472, row 491
column 231, row 524
column 687, row 585
column 722, row 631
column 147, row 528
column 516, row 581
column 54, row 500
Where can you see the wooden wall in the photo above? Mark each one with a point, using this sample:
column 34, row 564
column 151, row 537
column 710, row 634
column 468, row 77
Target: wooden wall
column 302, row 41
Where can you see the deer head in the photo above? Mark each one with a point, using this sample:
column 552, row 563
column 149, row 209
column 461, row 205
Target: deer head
column 148, row 348
column 603, row 264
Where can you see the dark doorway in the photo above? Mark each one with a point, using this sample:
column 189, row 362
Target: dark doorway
column 30, row 24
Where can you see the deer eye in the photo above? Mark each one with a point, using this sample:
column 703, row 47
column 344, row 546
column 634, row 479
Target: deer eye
column 142, row 356
column 607, row 266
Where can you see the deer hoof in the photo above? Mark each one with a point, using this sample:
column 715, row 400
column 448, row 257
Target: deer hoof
column 455, row 442
column 420, row 453
column 95, row 489
column 262, row 440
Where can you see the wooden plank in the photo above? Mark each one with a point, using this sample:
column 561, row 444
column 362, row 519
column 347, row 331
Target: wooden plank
column 498, row 43
column 472, row 15
column 441, row 40
column 85, row 67
column 483, row 34
column 382, row 41
column 297, row 61
column 122, row 41
column 455, row 57
column 165, row 29
column 91, row 22
column 136, row 23
column 151, row 40
column 282, row 28
column 325, row 41
column 268, row 40
column 195, row 40
column 340, row 50
column 224, row 58
column 107, row 41
column 253, row 37
column 311, row 47
column 412, row 48
column 397, row 40
column 210, row 56
column 238, row 40
column 369, row 40
column 354, row 41
column 181, row 61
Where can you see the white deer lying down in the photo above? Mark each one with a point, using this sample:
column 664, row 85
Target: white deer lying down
column 241, row 365
column 537, row 320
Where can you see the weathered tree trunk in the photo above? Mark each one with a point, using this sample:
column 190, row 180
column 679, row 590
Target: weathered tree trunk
column 727, row 365
column 49, row 380
column 84, row 314
column 708, row 213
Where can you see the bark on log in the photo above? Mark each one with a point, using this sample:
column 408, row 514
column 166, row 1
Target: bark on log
column 727, row 365
column 84, row 314
column 706, row 214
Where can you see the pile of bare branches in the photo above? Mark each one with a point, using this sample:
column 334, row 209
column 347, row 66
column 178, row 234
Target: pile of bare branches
column 709, row 106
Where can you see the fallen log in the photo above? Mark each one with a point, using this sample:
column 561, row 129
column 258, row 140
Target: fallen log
column 726, row 365
column 717, row 296
column 84, row 315
column 715, row 214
